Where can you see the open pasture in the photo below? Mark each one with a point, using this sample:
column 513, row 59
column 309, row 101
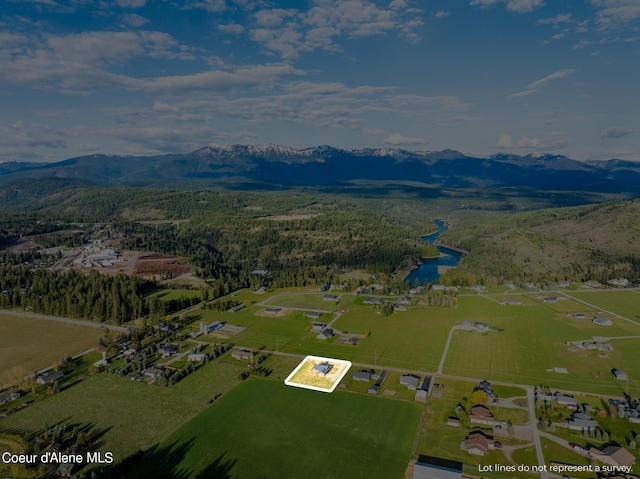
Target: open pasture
column 625, row 303
column 262, row 332
column 167, row 295
column 312, row 301
column 563, row 304
column 533, row 341
column 30, row 344
column 412, row 339
column 264, row 429
column 131, row 415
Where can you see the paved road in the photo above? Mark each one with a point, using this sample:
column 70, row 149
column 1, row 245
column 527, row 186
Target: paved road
column 75, row 322
column 533, row 424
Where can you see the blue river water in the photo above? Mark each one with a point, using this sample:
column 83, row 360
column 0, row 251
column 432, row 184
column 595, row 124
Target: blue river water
column 428, row 270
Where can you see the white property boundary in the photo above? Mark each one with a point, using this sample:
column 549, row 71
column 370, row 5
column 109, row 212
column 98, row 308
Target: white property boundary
column 335, row 362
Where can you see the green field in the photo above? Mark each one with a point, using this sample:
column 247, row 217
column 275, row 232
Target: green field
column 29, row 344
column 311, row 301
column 129, row 414
column 264, row 429
column 532, row 341
column 173, row 294
column 624, row 303
column 412, row 339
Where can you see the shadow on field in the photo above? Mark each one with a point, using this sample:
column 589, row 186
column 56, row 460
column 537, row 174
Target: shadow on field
column 164, row 463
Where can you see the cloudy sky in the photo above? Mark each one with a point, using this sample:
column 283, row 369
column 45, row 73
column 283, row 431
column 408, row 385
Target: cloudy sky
column 158, row 76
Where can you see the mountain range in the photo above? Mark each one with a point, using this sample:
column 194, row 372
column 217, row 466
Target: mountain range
column 277, row 165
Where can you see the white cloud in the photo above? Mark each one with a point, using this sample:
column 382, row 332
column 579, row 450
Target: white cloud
column 537, row 85
column 134, row 20
column 273, row 17
column 131, row 3
column 233, row 28
column 441, row 14
column 331, row 105
column 536, row 144
column 398, row 139
column 526, row 142
column 517, row 6
column 553, row 38
column 372, row 131
column 80, row 63
column 553, row 76
column 444, row 103
column 216, row 80
column 22, row 134
column 505, row 141
column 616, row 132
column 290, row 32
column 557, row 20
column 612, row 13
column 215, row 6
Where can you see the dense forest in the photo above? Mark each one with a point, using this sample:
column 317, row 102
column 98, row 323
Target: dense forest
column 116, row 299
column 308, row 237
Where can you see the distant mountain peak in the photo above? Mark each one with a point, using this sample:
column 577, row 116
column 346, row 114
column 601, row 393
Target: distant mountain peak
column 273, row 165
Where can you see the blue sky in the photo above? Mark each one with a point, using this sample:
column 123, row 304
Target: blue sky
column 80, row 77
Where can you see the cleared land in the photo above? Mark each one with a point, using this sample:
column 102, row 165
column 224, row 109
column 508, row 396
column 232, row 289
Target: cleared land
column 532, row 341
column 31, row 344
column 264, row 429
column 307, row 376
column 129, row 414
column 624, row 303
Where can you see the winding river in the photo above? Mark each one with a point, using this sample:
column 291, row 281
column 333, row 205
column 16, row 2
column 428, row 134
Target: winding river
column 428, row 270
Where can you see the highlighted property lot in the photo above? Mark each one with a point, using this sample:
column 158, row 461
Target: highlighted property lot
column 318, row 373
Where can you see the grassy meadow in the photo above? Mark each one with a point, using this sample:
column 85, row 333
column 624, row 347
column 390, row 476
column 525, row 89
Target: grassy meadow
column 533, row 341
column 624, row 303
column 264, row 429
column 29, row 344
column 128, row 415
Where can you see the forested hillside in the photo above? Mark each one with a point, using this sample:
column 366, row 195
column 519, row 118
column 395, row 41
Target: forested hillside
column 596, row 242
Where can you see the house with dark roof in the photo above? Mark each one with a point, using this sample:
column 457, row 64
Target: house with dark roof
column 272, row 311
column 313, row 314
column 317, row 327
column 374, row 301
column 323, row 368
column 242, row 354
column 236, row 308
column 581, row 421
column 568, row 401
column 363, row 376
column 214, row 326
column 620, row 374
column 9, row 396
column 168, row 349
column 486, row 387
column 325, row 334
column 480, row 327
